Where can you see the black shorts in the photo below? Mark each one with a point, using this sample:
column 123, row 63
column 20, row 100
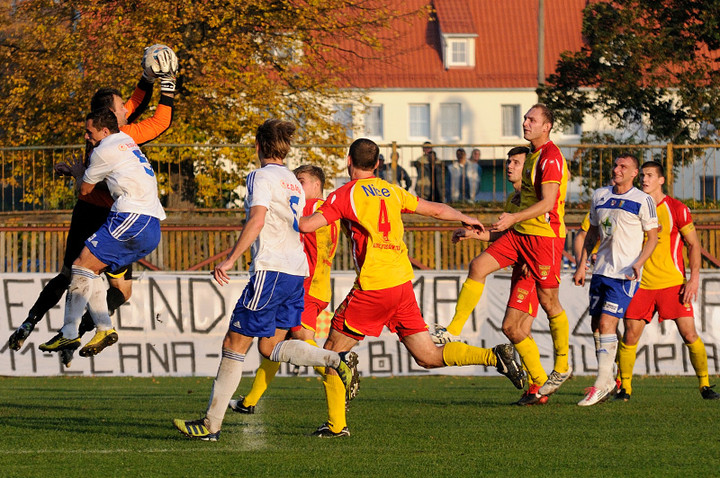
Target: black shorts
column 86, row 220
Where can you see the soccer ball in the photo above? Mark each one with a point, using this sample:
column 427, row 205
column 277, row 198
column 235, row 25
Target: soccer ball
column 159, row 60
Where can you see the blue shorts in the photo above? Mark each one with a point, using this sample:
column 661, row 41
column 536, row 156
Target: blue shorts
column 271, row 300
column 124, row 238
column 611, row 296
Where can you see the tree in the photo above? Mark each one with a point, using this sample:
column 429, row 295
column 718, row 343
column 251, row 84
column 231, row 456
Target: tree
column 648, row 67
column 241, row 61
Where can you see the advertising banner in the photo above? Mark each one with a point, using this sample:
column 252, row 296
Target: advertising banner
column 174, row 323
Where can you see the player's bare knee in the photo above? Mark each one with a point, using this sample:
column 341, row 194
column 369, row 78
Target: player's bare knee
column 478, row 270
column 512, row 331
column 429, row 362
column 690, row 337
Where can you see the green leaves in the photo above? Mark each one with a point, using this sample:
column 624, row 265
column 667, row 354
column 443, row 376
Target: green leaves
column 645, row 62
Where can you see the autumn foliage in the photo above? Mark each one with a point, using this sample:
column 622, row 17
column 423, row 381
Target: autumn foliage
column 241, row 61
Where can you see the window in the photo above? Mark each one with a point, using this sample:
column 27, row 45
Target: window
column 420, row 120
column 511, row 120
column 450, row 121
column 574, row 129
column 343, row 116
column 374, row 121
column 709, row 187
column 458, row 52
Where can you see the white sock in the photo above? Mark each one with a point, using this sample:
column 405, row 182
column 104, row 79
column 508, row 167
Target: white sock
column 78, row 294
column 606, row 360
column 301, row 353
column 224, row 385
column 97, row 305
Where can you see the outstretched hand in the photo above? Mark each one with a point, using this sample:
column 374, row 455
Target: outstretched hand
column 72, row 167
column 464, row 233
column 504, row 222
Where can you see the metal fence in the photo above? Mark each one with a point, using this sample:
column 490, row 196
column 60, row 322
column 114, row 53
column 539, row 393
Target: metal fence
column 199, row 176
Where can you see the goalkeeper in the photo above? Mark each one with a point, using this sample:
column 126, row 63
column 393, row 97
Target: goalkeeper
column 91, row 210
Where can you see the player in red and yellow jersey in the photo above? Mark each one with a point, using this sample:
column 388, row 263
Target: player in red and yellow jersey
column 535, row 238
column 370, row 211
column 663, row 288
column 320, row 247
column 522, row 306
column 91, row 210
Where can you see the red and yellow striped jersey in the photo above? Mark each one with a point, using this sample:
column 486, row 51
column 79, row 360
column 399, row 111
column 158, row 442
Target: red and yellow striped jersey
column 666, row 266
column 544, row 165
column 320, row 249
column 370, row 213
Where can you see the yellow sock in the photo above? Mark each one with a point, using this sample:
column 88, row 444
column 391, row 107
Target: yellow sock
column 319, row 370
column 467, row 300
column 264, row 375
column 560, row 332
column 335, row 395
column 626, row 359
column 458, row 353
column 698, row 359
column 530, row 355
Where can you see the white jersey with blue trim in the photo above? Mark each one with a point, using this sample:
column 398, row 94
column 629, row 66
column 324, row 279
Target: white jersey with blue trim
column 622, row 220
column 128, row 174
column 278, row 247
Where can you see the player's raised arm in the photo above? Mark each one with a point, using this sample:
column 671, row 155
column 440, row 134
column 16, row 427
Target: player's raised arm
column 446, row 213
column 549, row 193
column 312, row 223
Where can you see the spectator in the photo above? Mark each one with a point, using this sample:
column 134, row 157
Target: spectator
column 456, row 186
column 474, row 176
column 430, row 183
column 385, row 171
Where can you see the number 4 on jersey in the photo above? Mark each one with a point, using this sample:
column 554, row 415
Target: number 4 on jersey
column 383, row 221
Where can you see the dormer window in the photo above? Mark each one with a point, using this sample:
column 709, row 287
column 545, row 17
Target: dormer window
column 459, row 50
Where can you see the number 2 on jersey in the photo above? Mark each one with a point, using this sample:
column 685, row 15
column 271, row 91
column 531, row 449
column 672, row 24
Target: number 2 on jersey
column 384, row 221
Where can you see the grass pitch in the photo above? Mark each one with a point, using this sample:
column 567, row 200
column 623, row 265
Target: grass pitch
column 414, row 426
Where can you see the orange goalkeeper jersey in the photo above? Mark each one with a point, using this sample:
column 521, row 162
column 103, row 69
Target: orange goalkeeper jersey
column 142, row 132
column 370, row 212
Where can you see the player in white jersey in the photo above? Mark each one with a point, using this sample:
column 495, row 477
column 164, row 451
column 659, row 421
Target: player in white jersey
column 272, row 302
column 131, row 231
column 620, row 216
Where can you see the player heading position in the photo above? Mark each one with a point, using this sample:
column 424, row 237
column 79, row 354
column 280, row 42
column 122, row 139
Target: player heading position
column 370, row 211
column 535, row 237
column 619, row 215
column 131, row 231
column 319, row 247
column 663, row 288
column 272, row 301
column 91, row 210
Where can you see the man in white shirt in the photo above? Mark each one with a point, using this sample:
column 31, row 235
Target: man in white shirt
column 131, row 231
column 272, row 302
column 620, row 216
